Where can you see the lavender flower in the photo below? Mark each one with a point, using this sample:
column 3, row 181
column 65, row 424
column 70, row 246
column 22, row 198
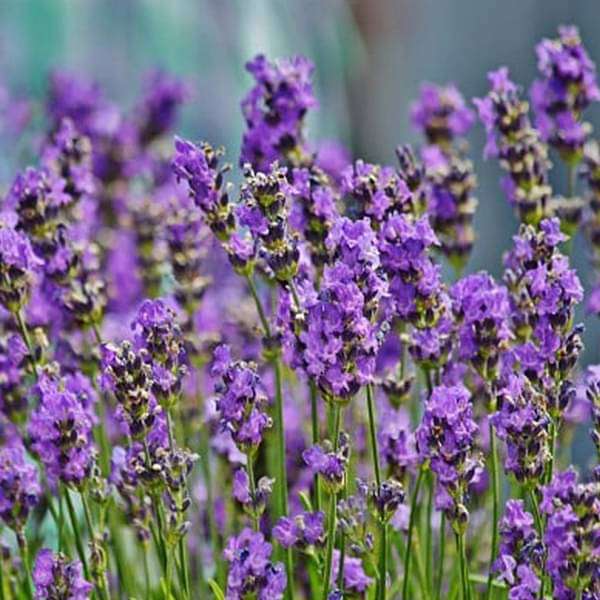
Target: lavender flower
column 328, row 462
column 60, row 429
column 241, row 401
column 20, row 489
column 17, row 264
column 523, row 423
column 446, row 438
column 253, row 502
column 251, row 570
column 520, row 556
column 374, row 192
column 353, row 517
column 199, row 167
column 571, row 535
column 13, row 355
column 304, row 530
column 55, row 576
column 441, row 114
column 516, row 143
column 356, row 581
column 396, row 443
column 567, row 86
column 274, row 111
column 265, row 213
column 592, row 382
column 481, row 309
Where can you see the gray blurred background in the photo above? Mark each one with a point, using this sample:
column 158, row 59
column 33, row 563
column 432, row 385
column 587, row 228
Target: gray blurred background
column 370, row 57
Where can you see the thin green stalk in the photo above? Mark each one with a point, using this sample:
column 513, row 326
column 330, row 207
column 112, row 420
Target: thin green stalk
column 24, row 331
column 464, row 572
column 24, row 551
column 411, row 525
column 76, row 533
column 340, row 577
column 103, row 582
column 281, row 469
column 250, row 468
column 331, row 518
column 383, row 549
column 429, row 533
column 495, row 472
column 146, row 573
column 183, row 558
column 552, row 450
column 261, row 313
column 314, row 415
column 539, row 525
column 440, row 573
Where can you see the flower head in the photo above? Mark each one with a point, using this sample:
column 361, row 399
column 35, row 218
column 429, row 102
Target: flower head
column 55, row 576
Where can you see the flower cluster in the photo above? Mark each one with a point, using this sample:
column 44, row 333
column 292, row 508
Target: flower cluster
column 446, row 439
column 567, row 86
column 251, row 570
column 329, row 462
column 241, row 400
column 511, row 137
column 482, row 309
column 571, row 535
column 55, row 576
column 274, row 111
column 520, row 557
column 301, row 531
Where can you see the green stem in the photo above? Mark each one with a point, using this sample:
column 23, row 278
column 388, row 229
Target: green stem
column 24, row 551
column 76, row 533
column 464, row 572
column 411, row 525
column 183, row 558
column 146, row 573
column 24, row 331
column 331, row 519
column 552, row 450
column 314, row 414
column 250, row 469
column 281, row 468
column 383, row 568
column 429, row 533
column 440, row 573
column 261, row 313
column 495, row 506
column 102, row 581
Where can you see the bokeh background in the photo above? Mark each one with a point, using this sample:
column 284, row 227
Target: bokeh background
column 370, row 57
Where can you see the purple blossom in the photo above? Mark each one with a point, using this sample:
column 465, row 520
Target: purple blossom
column 328, row 462
column 20, row 489
column 274, row 111
column 446, row 438
column 482, row 309
column 517, row 144
column 55, row 576
column 199, row 167
column 61, row 434
column 441, row 113
column 567, row 86
column 355, row 579
column 241, row 400
column 571, row 534
column 396, row 442
column 250, row 568
column 305, row 529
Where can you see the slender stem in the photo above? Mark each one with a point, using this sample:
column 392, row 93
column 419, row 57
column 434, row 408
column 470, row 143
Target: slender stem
column 261, row 313
column 102, row 581
column 571, row 180
column 429, row 533
column 464, row 573
column 24, row 551
column 440, row 573
column 76, row 533
column 331, row 519
column 24, row 331
column 146, row 572
column 411, row 524
column 552, row 450
column 340, row 577
column 495, row 506
column 183, row 558
column 314, row 414
column 383, row 568
column 373, row 436
column 281, row 468
column 250, row 469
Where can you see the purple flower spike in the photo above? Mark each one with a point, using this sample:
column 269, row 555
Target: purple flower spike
column 568, row 85
column 441, row 113
column 446, row 439
column 251, row 570
column 274, row 111
column 55, row 577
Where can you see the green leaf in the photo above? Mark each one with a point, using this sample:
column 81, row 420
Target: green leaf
column 216, row 589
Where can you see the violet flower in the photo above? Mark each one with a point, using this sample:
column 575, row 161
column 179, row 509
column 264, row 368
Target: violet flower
column 274, row 111
column 567, row 86
column 446, row 438
column 54, row 576
column 251, row 570
column 302, row 531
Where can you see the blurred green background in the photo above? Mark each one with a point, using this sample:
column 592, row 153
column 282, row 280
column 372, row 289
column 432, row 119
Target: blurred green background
column 370, row 57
